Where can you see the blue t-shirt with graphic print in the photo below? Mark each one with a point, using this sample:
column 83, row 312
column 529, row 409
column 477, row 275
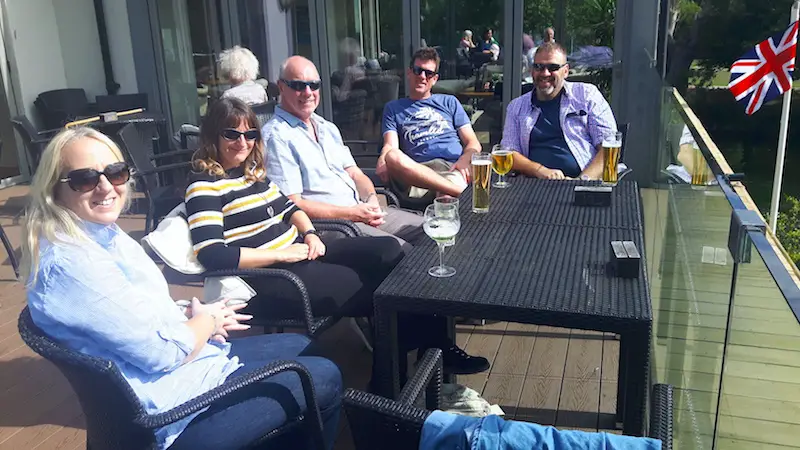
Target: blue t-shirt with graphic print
column 427, row 129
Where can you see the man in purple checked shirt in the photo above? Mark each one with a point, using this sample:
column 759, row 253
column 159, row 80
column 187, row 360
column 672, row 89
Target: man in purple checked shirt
column 557, row 130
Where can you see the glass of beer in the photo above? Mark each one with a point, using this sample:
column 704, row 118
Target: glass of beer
column 441, row 224
column 612, row 142
column 699, row 173
column 481, row 179
column 502, row 160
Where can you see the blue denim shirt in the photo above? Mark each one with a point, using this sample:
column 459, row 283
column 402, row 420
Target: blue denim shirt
column 106, row 298
column 453, row 432
column 300, row 165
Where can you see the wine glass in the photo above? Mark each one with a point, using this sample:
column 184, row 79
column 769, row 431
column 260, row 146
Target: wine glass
column 441, row 224
column 502, row 161
column 445, row 205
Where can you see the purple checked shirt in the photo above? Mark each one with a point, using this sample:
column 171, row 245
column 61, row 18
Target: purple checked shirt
column 583, row 132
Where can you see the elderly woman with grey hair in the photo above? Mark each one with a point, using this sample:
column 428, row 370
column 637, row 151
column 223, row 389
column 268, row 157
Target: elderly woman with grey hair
column 240, row 66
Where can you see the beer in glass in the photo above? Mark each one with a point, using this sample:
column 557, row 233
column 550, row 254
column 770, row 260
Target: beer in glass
column 612, row 143
column 481, row 179
column 502, row 161
column 699, row 174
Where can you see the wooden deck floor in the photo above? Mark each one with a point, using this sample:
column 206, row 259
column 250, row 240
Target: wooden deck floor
column 543, row 374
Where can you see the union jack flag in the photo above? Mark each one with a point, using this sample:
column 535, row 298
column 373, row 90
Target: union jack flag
column 765, row 72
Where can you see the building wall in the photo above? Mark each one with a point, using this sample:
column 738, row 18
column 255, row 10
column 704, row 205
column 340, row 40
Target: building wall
column 279, row 34
column 120, row 45
column 80, row 46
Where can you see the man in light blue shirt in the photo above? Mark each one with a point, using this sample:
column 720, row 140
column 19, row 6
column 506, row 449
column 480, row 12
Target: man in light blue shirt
column 308, row 161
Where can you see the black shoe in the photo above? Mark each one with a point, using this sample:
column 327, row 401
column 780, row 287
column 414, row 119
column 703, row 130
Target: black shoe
column 458, row 362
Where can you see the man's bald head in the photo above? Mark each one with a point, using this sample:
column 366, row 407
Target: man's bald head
column 298, row 75
column 295, row 67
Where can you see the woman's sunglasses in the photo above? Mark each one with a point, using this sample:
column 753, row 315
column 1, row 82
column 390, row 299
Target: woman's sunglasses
column 550, row 67
column 301, row 85
column 419, row 71
column 85, row 180
column 230, row 134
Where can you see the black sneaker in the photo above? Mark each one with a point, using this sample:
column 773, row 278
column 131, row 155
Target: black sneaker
column 458, row 362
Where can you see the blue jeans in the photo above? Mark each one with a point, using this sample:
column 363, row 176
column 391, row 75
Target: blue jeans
column 245, row 416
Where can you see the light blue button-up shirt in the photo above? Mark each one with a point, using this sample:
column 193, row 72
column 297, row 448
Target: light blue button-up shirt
column 106, row 298
column 584, row 114
column 300, row 165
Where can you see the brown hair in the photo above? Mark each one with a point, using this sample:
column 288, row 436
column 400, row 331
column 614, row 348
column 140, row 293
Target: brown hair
column 426, row 54
column 228, row 113
column 550, row 47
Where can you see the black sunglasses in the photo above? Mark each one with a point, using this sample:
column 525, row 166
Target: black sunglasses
column 419, row 71
column 85, row 180
column 300, row 85
column 550, row 67
column 230, row 134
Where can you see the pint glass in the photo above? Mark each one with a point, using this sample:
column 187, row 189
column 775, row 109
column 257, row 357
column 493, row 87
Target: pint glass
column 612, row 143
column 481, row 179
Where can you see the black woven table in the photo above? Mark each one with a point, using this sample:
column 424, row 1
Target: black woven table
column 534, row 258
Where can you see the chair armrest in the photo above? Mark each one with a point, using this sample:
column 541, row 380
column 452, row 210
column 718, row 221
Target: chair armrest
column 661, row 404
column 428, row 378
column 345, row 227
column 383, row 423
column 275, row 273
column 391, row 198
column 237, row 383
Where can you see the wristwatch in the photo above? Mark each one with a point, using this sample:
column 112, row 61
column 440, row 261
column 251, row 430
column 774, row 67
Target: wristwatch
column 307, row 232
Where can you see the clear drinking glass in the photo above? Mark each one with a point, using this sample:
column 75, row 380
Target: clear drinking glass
column 447, row 205
column 442, row 223
column 481, row 181
column 612, row 143
column 502, row 161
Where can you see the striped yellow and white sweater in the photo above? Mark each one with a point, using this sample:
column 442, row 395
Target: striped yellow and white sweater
column 227, row 213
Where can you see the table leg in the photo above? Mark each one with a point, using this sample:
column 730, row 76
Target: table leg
column 637, row 355
column 386, row 366
column 451, row 333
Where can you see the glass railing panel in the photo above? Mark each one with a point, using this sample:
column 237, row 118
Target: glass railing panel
column 690, row 272
column 760, row 405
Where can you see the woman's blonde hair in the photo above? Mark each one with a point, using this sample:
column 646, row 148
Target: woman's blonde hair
column 44, row 216
column 228, row 113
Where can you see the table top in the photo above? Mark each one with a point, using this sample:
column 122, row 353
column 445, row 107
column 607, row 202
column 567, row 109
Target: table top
column 532, row 253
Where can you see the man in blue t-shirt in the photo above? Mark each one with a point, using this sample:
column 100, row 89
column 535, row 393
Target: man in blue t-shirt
column 423, row 135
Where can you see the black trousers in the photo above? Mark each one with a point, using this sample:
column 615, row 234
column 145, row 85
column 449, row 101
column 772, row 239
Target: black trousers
column 342, row 283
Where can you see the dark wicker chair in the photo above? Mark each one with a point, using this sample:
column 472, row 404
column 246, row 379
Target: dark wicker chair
column 34, row 141
column 313, row 325
column 163, row 194
column 60, row 106
column 377, row 422
column 116, row 419
column 120, row 102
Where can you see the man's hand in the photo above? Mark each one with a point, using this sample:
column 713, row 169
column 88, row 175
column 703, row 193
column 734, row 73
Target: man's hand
column 464, row 165
column 315, row 246
column 367, row 213
column 381, row 170
column 551, row 174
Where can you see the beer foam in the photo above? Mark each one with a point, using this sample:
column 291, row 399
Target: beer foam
column 481, row 163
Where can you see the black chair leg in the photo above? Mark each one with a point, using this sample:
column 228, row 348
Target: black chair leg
column 10, row 250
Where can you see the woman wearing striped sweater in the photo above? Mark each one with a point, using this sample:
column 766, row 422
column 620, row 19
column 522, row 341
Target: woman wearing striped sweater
column 238, row 218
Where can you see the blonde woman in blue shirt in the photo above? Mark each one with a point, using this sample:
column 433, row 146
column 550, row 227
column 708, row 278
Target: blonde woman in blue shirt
column 92, row 288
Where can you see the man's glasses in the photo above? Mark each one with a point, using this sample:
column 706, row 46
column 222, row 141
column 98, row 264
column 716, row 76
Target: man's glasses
column 230, row 134
column 550, row 67
column 85, row 180
column 301, row 85
column 419, row 71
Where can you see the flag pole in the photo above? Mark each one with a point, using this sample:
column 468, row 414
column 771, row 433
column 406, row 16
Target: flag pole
column 784, row 129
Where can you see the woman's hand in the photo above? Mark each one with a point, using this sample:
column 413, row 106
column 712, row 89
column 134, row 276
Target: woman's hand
column 315, row 246
column 294, row 253
column 217, row 310
column 232, row 322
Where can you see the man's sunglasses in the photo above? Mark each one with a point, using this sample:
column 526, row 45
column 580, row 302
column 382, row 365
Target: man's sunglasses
column 300, row 85
column 230, row 134
column 550, row 67
column 85, row 180
column 419, row 71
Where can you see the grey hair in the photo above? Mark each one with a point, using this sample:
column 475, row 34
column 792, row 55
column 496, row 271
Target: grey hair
column 468, row 33
column 238, row 64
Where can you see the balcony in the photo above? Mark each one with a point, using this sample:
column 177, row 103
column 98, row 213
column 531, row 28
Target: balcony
column 725, row 335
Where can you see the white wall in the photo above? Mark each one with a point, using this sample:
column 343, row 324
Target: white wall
column 36, row 61
column 120, row 45
column 278, row 36
column 80, row 46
